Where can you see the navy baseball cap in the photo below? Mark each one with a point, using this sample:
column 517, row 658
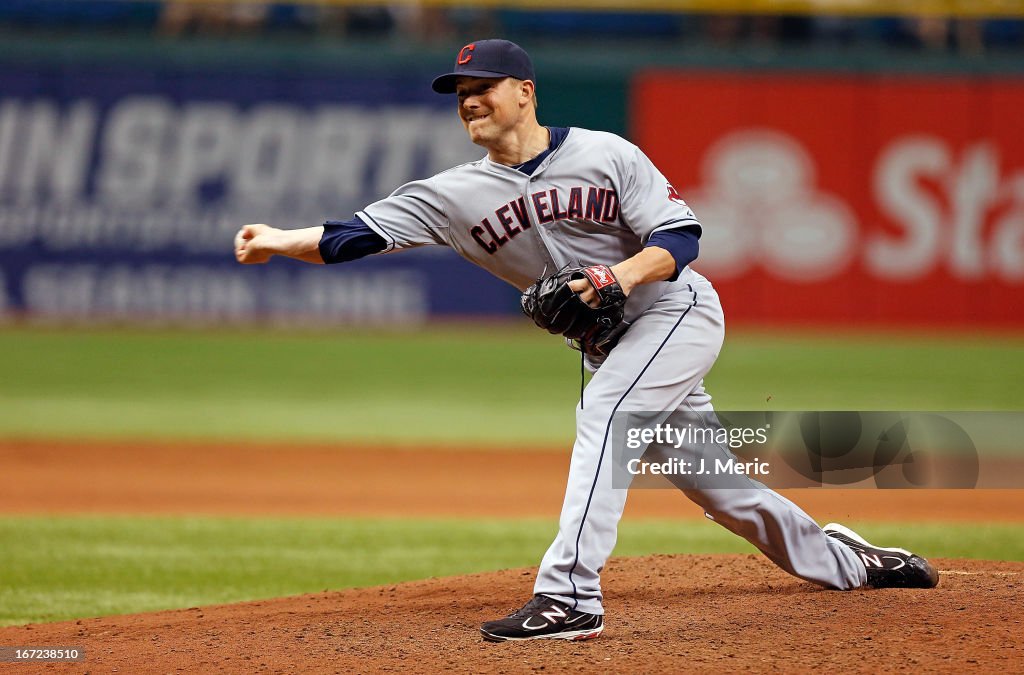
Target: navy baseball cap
column 487, row 58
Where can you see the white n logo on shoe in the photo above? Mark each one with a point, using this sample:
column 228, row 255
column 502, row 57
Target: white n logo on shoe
column 876, row 560
column 870, row 560
column 552, row 615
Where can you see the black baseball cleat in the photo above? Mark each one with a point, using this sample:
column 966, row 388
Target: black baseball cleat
column 887, row 567
column 543, row 618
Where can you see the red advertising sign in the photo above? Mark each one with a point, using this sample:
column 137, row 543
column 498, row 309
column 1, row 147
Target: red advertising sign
column 848, row 199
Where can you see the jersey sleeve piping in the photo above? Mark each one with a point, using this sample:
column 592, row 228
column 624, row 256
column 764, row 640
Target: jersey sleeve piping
column 375, row 226
column 677, row 223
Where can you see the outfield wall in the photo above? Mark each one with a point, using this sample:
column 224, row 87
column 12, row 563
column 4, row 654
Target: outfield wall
column 123, row 187
column 848, row 198
column 126, row 168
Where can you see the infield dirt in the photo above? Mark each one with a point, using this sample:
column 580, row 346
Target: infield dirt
column 665, row 613
column 150, row 477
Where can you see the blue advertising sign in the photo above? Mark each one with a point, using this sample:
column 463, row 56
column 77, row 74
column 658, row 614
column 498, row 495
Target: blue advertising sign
column 121, row 190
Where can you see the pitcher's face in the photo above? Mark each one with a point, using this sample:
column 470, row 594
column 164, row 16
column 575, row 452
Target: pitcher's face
column 491, row 107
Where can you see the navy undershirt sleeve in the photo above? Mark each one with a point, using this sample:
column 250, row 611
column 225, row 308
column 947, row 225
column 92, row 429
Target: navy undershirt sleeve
column 681, row 242
column 345, row 240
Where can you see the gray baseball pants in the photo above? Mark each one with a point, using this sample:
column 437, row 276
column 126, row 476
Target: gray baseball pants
column 659, row 365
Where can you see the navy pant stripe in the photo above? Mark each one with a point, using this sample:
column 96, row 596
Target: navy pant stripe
column 604, row 444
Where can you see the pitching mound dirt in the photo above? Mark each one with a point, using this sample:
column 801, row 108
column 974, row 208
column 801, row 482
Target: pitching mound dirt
column 665, row 613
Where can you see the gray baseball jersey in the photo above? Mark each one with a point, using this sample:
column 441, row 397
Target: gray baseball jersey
column 597, row 199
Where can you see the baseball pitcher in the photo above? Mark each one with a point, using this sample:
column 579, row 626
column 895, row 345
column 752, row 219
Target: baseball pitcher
column 599, row 243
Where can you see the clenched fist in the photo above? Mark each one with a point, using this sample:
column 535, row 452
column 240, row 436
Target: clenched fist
column 252, row 244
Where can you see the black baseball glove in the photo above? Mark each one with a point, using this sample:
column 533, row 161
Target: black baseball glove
column 561, row 311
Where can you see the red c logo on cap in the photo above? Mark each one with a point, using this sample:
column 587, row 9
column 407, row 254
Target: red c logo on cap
column 465, row 55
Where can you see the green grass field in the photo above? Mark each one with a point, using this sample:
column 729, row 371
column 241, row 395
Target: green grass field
column 502, row 385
